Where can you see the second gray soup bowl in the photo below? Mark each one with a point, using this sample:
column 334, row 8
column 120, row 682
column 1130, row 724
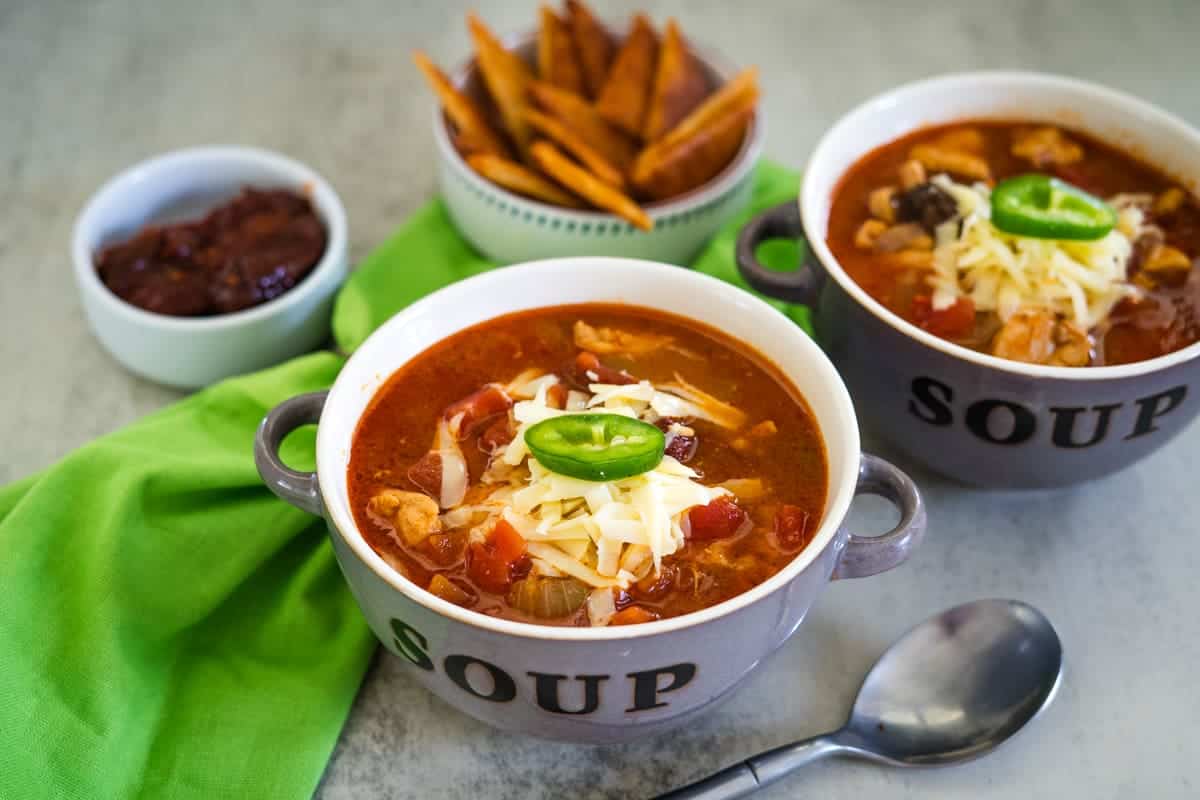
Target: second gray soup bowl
column 974, row 417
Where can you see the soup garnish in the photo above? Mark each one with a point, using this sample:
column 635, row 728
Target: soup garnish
column 587, row 465
column 1088, row 260
column 1047, row 208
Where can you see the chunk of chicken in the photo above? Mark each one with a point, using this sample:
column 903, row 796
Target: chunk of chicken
column 1046, row 147
column 937, row 159
column 1034, row 336
column 1164, row 258
column 909, row 260
column 604, row 341
column 881, row 203
column 911, row 174
column 414, row 516
column 763, row 429
column 868, row 233
column 964, row 140
column 1026, row 336
column 906, row 236
column 1072, row 347
column 747, row 490
column 1169, row 201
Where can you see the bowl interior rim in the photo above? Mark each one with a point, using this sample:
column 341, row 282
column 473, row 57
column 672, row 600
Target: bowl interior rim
column 996, row 81
column 325, row 202
column 842, row 487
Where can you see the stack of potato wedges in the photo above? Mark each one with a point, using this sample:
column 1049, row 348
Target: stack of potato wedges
column 595, row 122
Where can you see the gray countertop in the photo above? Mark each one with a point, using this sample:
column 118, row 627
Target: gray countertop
column 90, row 88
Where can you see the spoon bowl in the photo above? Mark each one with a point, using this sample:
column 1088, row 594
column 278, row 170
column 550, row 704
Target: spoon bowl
column 949, row 690
column 957, row 685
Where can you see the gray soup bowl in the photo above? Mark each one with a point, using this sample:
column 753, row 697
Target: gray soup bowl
column 974, row 417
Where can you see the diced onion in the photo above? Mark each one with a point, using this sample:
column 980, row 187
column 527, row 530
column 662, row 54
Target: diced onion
column 548, row 598
column 601, row 606
column 454, row 466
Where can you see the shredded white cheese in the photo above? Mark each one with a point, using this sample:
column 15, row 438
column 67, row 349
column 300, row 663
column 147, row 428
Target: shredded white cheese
column 603, row 533
column 1001, row 272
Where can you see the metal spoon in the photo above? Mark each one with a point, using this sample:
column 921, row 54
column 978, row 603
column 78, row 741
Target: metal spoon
column 949, row 690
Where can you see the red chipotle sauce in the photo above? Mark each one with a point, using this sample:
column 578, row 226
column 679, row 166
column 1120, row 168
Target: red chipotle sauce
column 248, row 251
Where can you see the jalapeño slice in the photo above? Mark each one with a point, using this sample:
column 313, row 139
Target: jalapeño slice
column 1048, row 208
column 596, row 447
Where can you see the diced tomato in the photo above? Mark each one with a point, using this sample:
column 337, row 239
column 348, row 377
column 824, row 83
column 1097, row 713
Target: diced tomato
column 426, row 474
column 791, row 528
column 492, row 564
column 634, row 615
column 477, row 407
column 588, row 365
column 955, row 321
column 497, row 435
column 720, row 519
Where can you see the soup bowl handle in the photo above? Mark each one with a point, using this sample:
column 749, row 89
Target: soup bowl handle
column 295, row 487
column 801, row 285
column 869, row 555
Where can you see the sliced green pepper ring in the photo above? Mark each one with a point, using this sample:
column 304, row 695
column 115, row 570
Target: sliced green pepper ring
column 1048, row 208
column 596, row 447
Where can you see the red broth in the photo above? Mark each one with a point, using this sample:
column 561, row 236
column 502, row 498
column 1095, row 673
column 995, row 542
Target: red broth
column 733, row 544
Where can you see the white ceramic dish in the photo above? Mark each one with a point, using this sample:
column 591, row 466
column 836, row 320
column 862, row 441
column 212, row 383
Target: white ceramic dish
column 607, row 684
column 973, row 416
column 189, row 352
column 510, row 228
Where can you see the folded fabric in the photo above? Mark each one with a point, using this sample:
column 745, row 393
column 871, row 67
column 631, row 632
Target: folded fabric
column 169, row 629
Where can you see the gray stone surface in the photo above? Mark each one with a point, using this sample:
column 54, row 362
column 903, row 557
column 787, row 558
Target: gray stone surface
column 89, row 88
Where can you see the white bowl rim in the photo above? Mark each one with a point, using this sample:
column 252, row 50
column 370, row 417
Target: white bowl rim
column 744, row 161
column 323, row 197
column 841, row 489
column 975, row 81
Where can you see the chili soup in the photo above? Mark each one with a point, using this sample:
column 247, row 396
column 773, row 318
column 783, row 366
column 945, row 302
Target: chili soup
column 588, row 465
column 1033, row 243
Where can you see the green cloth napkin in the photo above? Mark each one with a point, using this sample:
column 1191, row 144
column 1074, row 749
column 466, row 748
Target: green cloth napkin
column 168, row 628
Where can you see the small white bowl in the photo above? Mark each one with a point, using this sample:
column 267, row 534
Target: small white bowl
column 510, row 228
column 190, row 352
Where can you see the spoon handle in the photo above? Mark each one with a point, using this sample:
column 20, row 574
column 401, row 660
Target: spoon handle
column 757, row 771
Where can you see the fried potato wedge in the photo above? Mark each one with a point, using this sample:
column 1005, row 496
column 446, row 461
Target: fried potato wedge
column 507, row 78
column 691, row 162
column 520, row 179
column 558, row 64
column 737, row 94
column 555, row 164
column 578, row 115
column 592, row 44
column 573, row 143
column 626, row 93
column 473, row 134
column 680, row 84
